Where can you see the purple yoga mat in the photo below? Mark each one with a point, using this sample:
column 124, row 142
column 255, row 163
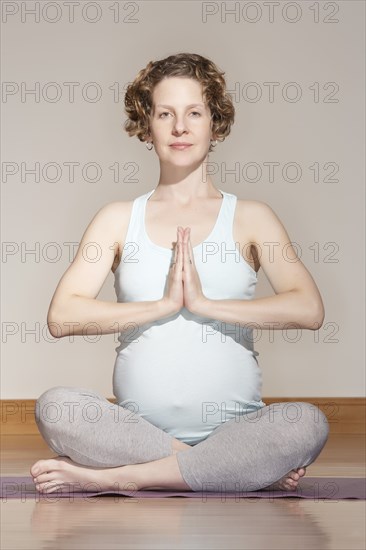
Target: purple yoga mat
column 316, row 488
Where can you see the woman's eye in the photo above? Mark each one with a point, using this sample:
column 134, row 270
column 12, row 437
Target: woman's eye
column 166, row 113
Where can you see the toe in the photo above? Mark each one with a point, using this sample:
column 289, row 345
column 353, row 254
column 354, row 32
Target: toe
column 44, row 477
column 53, row 464
column 43, row 466
column 48, row 486
column 291, row 484
column 53, row 488
column 36, row 468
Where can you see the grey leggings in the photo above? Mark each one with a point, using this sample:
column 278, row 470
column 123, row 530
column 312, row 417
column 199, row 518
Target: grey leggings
column 246, row 453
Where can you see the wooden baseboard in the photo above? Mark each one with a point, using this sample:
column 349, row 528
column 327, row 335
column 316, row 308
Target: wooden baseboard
column 346, row 415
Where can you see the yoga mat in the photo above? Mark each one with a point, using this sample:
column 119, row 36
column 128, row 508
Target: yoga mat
column 316, row 488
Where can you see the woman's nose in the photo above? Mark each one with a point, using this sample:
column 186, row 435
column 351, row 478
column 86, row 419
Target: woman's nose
column 179, row 126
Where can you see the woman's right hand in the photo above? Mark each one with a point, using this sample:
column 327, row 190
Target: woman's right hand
column 173, row 296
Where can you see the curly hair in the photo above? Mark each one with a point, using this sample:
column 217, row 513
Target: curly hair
column 138, row 97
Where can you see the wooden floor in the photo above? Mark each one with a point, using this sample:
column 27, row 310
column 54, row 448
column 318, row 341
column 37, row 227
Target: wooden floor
column 184, row 523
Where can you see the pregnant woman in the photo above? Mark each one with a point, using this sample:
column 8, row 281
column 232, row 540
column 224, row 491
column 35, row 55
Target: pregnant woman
column 185, row 257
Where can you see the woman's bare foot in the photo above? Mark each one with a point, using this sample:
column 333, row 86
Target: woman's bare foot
column 62, row 473
column 288, row 482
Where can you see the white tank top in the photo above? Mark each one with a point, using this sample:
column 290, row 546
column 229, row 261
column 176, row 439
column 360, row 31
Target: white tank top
column 186, row 374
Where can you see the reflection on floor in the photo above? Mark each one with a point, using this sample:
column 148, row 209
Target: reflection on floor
column 125, row 523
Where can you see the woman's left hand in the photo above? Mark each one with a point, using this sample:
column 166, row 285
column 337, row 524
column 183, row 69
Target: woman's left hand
column 193, row 296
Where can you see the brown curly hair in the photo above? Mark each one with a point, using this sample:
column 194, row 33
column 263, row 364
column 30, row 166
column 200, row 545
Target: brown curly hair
column 138, row 97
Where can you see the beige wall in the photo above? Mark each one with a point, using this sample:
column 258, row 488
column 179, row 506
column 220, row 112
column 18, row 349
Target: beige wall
column 324, row 218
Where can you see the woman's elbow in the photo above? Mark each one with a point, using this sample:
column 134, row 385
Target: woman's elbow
column 55, row 324
column 317, row 317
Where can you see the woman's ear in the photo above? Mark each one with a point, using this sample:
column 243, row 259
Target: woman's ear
column 213, row 135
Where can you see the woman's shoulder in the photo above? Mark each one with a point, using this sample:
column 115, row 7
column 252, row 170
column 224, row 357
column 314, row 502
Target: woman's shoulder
column 115, row 209
column 257, row 219
column 111, row 219
column 254, row 209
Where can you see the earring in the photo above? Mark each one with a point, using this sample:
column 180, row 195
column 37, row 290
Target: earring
column 212, row 145
column 149, row 143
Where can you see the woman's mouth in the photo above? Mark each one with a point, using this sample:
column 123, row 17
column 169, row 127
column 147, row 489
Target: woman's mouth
column 180, row 146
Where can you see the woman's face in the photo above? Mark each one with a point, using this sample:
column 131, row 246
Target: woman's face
column 179, row 114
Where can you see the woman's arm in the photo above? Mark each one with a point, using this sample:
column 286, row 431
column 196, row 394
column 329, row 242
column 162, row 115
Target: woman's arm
column 297, row 303
column 80, row 315
column 74, row 309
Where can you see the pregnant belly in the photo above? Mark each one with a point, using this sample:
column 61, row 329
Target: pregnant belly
column 187, row 396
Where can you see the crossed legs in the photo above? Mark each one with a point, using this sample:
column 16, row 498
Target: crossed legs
column 106, row 444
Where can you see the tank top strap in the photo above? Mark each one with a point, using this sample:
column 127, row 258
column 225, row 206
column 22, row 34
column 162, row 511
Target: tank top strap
column 225, row 221
column 135, row 231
